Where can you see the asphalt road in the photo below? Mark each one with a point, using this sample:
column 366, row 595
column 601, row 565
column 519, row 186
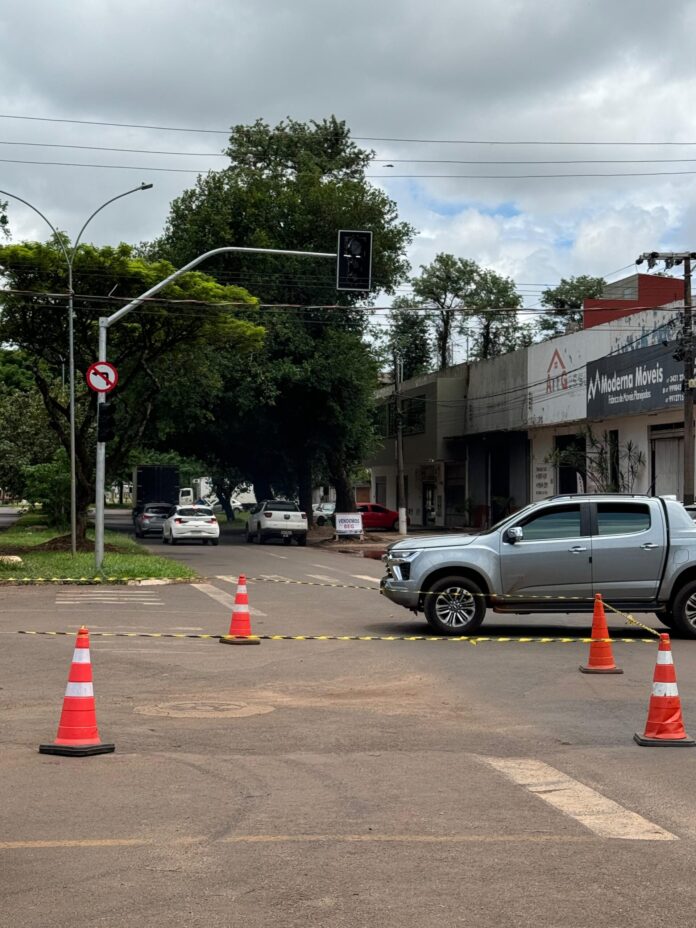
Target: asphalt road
column 8, row 515
column 333, row 783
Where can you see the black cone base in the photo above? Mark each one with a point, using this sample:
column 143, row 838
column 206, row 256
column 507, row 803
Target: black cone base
column 664, row 742
column 82, row 750
column 228, row 639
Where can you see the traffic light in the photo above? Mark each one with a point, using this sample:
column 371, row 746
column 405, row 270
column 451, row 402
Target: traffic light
column 106, row 426
column 354, row 261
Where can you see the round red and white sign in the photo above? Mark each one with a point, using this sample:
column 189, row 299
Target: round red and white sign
column 102, row 377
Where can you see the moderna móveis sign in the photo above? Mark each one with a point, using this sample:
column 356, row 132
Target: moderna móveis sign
column 635, row 381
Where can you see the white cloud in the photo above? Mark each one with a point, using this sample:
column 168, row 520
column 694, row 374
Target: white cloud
column 509, row 70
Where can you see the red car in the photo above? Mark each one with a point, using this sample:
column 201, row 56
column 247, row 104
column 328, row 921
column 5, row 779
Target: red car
column 376, row 516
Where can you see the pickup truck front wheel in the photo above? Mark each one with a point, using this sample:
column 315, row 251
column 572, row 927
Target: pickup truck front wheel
column 684, row 610
column 455, row 606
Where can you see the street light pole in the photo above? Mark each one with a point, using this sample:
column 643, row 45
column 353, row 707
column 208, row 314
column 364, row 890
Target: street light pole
column 69, row 260
column 105, row 324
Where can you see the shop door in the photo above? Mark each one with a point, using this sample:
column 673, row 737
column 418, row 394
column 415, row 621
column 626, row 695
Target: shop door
column 428, row 504
column 668, row 466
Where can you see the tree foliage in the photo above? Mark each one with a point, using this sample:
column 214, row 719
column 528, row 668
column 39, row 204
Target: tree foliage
column 409, row 337
column 300, row 410
column 565, row 302
column 473, row 301
column 168, row 355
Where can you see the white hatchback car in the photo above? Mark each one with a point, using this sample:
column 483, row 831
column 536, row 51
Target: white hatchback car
column 186, row 523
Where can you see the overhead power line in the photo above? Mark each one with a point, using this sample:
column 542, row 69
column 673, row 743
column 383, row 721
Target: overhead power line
column 389, row 176
column 360, row 138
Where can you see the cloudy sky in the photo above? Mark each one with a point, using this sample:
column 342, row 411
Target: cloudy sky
column 446, row 88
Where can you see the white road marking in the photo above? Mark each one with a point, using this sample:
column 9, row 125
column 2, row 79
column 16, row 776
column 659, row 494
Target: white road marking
column 283, row 557
column 365, row 577
column 323, row 578
column 326, row 567
column 223, row 598
column 593, row 810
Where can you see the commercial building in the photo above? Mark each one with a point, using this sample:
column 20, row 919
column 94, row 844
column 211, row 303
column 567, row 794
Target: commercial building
column 483, row 439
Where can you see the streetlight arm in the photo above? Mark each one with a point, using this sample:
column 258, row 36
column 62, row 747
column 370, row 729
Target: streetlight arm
column 120, row 313
column 112, row 200
column 47, row 221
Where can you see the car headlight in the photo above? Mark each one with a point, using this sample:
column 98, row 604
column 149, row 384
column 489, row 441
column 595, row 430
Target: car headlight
column 403, row 557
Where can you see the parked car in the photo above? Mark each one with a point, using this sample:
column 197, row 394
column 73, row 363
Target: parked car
column 323, row 513
column 553, row 556
column 277, row 518
column 186, row 523
column 376, row 516
column 149, row 519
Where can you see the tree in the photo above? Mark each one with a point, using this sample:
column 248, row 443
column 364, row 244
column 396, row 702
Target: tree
column 447, row 286
column 409, row 337
column 292, row 187
column 565, row 302
column 168, row 357
column 26, row 438
column 494, row 304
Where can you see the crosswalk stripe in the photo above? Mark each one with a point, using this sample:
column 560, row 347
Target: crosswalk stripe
column 323, row 578
column 593, row 810
column 365, row 577
column 221, row 597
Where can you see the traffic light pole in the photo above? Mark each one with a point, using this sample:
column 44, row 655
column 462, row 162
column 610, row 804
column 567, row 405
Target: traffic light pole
column 105, row 324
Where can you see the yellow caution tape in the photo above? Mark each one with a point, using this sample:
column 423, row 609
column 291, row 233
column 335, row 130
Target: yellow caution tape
column 470, row 639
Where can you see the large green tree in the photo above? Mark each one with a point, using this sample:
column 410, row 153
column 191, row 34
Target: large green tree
column 292, row 187
column 169, row 352
column 447, row 285
column 564, row 304
column 494, row 303
column 409, row 338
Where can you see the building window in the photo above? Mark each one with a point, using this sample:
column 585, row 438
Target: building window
column 413, row 412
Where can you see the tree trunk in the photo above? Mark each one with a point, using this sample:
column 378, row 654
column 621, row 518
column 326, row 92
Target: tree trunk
column 304, row 469
column 345, row 497
column 262, row 489
column 221, row 494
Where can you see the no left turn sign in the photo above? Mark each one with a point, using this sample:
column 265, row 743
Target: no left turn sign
column 102, row 377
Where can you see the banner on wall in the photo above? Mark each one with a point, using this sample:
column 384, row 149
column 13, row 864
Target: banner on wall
column 645, row 380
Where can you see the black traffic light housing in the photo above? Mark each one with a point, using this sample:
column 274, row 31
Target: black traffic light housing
column 354, row 261
column 106, row 426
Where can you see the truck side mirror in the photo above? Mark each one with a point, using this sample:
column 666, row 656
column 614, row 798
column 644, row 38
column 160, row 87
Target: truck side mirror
column 515, row 534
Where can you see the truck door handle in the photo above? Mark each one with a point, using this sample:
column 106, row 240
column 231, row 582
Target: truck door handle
column 649, row 546
column 578, row 549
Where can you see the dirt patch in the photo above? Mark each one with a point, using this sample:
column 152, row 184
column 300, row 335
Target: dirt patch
column 207, row 709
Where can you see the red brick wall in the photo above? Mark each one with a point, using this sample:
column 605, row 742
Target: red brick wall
column 652, row 291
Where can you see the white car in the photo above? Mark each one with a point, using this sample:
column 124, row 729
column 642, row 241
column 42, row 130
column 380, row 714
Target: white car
column 186, row 523
column 277, row 518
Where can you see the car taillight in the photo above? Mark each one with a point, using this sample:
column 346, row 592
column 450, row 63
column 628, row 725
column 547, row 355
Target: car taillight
column 179, row 521
column 146, row 518
column 212, row 521
column 304, row 515
column 268, row 514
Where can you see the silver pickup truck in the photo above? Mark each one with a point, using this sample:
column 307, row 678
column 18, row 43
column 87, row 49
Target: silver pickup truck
column 639, row 552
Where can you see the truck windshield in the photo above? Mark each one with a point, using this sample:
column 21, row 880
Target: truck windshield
column 512, row 518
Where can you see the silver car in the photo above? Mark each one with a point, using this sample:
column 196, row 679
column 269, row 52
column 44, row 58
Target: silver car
column 150, row 519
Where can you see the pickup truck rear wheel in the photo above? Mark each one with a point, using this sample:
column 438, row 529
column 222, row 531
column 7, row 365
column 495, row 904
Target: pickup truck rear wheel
column 455, row 606
column 684, row 610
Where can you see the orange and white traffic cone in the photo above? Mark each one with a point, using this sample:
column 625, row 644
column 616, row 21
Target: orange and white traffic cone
column 601, row 658
column 240, row 625
column 78, row 735
column 664, row 727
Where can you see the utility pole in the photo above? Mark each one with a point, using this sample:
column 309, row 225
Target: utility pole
column 674, row 259
column 400, row 482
